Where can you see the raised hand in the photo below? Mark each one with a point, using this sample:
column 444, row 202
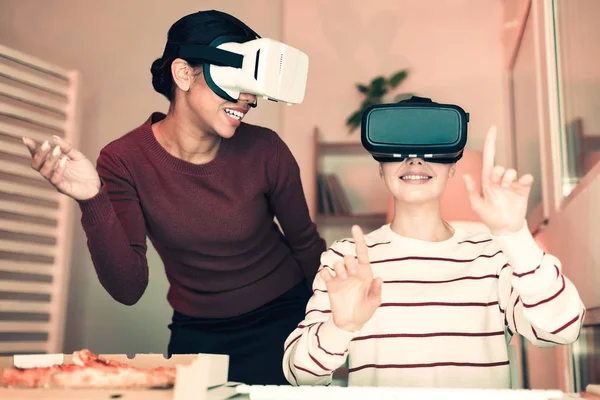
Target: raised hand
column 354, row 294
column 502, row 201
column 67, row 169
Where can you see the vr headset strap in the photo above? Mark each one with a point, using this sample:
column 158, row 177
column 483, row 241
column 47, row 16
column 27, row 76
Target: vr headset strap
column 249, row 31
column 416, row 99
column 211, row 55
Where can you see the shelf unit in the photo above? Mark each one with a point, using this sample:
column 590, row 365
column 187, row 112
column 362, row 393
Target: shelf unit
column 340, row 148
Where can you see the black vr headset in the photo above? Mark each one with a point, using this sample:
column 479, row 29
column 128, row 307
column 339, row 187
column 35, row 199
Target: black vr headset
column 415, row 128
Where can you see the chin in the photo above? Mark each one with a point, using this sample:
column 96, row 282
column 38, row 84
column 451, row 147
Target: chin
column 415, row 197
column 226, row 132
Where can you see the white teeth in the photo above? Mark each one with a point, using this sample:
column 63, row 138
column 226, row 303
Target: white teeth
column 234, row 114
column 414, row 177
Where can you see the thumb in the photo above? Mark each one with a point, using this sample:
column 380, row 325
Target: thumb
column 67, row 148
column 375, row 290
column 474, row 195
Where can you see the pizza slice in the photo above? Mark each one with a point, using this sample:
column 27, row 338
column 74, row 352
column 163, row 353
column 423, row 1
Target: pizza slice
column 88, row 370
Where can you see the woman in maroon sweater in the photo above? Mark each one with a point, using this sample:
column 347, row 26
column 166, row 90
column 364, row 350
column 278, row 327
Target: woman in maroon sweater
column 204, row 187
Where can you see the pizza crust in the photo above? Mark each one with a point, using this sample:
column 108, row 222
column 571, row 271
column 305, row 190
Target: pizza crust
column 88, row 371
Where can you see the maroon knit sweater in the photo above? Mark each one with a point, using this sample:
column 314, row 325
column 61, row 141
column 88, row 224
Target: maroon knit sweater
column 212, row 224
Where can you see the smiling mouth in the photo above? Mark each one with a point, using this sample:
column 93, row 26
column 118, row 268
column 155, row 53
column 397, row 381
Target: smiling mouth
column 415, row 177
column 237, row 115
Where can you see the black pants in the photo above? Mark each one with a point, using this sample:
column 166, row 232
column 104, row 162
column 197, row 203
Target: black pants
column 253, row 341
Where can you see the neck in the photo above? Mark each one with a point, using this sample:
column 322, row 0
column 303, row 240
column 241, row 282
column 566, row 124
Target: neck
column 185, row 140
column 422, row 222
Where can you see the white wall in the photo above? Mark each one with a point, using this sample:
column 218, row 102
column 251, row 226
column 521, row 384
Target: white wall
column 453, row 49
column 113, row 44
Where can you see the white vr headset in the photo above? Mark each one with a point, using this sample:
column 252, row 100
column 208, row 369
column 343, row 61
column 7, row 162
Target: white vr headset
column 263, row 67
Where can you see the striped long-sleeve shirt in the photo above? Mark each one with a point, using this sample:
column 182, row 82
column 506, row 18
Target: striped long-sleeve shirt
column 448, row 312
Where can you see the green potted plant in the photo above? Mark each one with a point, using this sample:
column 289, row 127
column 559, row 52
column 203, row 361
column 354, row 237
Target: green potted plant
column 378, row 91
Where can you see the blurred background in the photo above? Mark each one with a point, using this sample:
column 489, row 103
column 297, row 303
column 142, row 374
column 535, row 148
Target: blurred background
column 530, row 67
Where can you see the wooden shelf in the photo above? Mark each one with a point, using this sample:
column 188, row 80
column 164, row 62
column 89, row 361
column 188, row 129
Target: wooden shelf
column 351, row 146
column 360, row 218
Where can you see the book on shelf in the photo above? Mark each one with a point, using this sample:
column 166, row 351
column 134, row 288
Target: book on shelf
column 332, row 199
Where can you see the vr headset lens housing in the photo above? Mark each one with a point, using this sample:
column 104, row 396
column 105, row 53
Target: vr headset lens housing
column 270, row 69
column 415, row 128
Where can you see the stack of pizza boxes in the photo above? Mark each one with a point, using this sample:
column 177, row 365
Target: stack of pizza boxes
column 198, row 377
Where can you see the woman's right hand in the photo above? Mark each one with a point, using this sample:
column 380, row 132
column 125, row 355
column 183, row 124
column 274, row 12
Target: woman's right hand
column 66, row 168
column 354, row 295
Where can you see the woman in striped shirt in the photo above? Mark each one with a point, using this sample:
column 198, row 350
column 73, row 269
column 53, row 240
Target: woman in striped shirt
column 420, row 303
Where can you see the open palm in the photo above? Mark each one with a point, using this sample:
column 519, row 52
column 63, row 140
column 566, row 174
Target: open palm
column 502, row 201
column 66, row 168
column 80, row 179
column 354, row 294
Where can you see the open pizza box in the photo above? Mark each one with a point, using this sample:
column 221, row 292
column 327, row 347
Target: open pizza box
column 198, row 377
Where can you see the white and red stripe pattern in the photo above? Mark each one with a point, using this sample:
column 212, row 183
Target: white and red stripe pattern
column 448, row 312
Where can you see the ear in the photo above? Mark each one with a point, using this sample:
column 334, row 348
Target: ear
column 183, row 74
column 452, row 170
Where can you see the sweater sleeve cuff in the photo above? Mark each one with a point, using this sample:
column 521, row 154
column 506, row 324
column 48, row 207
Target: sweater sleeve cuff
column 334, row 339
column 522, row 251
column 96, row 209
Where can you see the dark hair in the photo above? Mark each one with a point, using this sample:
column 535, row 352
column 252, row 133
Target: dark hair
column 199, row 28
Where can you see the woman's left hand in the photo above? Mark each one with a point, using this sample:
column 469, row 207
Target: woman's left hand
column 502, row 202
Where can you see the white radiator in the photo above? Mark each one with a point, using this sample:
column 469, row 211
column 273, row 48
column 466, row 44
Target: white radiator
column 38, row 100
